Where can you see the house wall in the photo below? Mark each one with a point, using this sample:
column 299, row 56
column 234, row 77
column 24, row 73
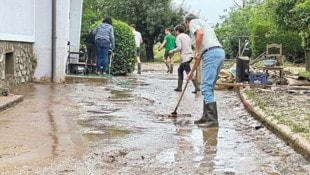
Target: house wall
column 68, row 24
column 75, row 22
column 43, row 40
column 17, row 19
column 17, row 34
column 17, row 62
column 28, row 34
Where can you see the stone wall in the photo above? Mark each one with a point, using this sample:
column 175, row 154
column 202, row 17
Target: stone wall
column 17, row 63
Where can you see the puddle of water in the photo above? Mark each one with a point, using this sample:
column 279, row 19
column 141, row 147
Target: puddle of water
column 87, row 123
column 105, row 133
column 120, row 94
column 117, row 133
column 93, row 136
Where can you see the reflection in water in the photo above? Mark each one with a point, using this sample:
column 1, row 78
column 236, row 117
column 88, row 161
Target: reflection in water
column 210, row 147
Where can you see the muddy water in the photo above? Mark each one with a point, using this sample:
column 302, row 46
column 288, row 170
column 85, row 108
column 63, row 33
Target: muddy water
column 124, row 127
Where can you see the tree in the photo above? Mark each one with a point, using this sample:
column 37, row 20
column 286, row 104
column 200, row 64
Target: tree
column 294, row 15
column 150, row 17
column 258, row 21
column 236, row 25
column 91, row 14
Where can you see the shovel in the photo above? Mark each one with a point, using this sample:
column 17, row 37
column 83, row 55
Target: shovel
column 174, row 113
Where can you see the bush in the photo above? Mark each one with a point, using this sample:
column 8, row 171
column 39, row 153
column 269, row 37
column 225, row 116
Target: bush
column 125, row 49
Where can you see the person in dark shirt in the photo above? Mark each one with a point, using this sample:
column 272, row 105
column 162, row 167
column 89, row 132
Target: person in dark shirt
column 91, row 48
column 104, row 40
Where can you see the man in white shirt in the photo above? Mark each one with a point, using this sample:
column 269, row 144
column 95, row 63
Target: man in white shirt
column 209, row 50
column 184, row 46
column 138, row 41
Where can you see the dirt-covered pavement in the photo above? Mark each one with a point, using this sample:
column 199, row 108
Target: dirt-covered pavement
column 123, row 127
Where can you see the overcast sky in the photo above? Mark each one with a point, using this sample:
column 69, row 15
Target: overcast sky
column 208, row 9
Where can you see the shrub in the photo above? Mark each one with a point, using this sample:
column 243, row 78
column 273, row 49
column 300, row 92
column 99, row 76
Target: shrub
column 125, row 49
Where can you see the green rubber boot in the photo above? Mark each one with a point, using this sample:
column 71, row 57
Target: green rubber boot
column 179, row 88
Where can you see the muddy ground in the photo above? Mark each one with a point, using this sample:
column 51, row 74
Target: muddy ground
column 123, row 127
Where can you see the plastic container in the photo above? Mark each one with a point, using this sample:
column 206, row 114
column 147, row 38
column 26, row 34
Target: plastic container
column 258, row 78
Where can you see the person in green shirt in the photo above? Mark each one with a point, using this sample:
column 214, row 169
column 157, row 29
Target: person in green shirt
column 169, row 44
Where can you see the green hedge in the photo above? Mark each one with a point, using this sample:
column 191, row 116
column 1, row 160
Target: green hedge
column 125, row 49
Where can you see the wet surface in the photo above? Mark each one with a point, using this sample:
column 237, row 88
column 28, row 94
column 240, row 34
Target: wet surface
column 126, row 127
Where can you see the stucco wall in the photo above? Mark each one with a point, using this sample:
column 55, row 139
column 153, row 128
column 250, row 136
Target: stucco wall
column 28, row 23
column 19, row 58
column 17, row 19
column 68, row 24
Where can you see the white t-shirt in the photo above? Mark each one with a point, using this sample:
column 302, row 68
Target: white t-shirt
column 209, row 37
column 138, row 38
column 183, row 42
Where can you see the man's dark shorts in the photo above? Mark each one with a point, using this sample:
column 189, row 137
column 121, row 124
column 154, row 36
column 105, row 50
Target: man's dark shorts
column 138, row 51
column 166, row 54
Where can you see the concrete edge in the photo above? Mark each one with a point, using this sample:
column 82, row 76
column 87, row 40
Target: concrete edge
column 85, row 79
column 17, row 99
column 297, row 142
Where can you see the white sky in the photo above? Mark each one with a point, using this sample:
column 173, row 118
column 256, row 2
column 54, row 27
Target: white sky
column 207, row 9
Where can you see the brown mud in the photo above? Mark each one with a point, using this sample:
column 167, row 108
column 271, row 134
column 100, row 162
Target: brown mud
column 125, row 127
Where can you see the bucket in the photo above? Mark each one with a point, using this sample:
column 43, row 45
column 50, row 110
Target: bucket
column 242, row 69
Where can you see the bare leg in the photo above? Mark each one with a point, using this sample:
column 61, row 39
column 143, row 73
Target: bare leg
column 139, row 65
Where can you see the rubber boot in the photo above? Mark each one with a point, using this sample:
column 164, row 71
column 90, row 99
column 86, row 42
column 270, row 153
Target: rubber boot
column 210, row 117
column 139, row 68
column 196, row 85
column 179, row 88
column 168, row 68
column 171, row 68
column 204, row 117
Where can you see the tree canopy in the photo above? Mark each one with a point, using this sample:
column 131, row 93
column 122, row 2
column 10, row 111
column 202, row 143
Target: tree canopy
column 151, row 17
column 269, row 21
column 261, row 21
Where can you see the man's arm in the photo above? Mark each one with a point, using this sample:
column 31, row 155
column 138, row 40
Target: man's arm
column 198, row 41
column 162, row 45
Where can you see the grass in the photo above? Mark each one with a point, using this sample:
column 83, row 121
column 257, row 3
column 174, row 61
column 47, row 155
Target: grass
column 158, row 55
column 305, row 74
column 288, row 109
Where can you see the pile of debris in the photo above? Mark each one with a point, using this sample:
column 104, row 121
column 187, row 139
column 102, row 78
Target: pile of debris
column 227, row 78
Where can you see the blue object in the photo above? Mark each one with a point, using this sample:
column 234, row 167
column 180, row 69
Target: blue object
column 258, row 78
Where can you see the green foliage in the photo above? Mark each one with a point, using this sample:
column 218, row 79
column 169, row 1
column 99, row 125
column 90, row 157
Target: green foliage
column 91, row 14
column 124, row 58
column 150, row 17
column 236, row 25
column 158, row 55
column 143, row 52
column 259, row 21
column 305, row 74
column 294, row 15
